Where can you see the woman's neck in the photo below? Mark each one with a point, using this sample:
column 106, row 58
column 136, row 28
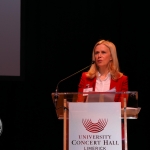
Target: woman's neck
column 103, row 72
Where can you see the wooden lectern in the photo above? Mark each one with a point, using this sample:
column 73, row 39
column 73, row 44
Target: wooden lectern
column 130, row 109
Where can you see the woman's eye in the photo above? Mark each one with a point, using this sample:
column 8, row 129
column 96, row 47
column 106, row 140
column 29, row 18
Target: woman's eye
column 96, row 53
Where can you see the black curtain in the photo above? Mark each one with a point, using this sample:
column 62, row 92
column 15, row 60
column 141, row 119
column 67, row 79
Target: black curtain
column 57, row 41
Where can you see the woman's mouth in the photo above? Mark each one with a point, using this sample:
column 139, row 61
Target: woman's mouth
column 99, row 61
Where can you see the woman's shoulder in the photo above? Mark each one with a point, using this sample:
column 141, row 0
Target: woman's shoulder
column 85, row 76
column 123, row 77
column 84, row 73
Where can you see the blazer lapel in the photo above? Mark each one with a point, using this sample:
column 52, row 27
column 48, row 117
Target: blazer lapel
column 112, row 84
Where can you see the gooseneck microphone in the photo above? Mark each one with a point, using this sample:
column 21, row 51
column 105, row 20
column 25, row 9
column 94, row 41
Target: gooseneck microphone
column 56, row 91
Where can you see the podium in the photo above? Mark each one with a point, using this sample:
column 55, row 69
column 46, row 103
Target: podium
column 119, row 105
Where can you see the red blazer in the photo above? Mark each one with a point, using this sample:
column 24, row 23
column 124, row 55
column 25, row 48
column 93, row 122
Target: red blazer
column 120, row 84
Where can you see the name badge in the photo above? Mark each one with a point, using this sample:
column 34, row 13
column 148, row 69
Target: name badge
column 87, row 90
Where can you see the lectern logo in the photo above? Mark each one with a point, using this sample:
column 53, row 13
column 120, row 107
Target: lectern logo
column 94, row 127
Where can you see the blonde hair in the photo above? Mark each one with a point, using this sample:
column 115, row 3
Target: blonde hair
column 113, row 65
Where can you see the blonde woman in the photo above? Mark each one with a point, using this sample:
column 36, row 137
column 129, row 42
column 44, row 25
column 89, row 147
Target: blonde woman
column 104, row 74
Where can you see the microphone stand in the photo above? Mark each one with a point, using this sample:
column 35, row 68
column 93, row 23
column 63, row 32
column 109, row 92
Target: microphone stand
column 56, row 91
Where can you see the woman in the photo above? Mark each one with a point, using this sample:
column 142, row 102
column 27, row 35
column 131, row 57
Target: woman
column 104, row 74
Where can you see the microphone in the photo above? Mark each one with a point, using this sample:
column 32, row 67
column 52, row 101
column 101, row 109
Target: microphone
column 56, row 91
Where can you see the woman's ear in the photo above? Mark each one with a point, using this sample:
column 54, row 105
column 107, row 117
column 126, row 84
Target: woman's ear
column 111, row 57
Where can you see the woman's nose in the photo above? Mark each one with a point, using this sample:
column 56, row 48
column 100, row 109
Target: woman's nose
column 99, row 55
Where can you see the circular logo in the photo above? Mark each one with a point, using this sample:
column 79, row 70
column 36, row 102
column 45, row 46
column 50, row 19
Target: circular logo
column 1, row 127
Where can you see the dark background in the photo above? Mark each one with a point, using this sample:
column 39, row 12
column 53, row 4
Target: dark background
column 57, row 39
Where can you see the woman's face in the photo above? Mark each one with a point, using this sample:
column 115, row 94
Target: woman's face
column 102, row 55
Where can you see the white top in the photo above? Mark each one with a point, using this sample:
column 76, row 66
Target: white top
column 102, row 85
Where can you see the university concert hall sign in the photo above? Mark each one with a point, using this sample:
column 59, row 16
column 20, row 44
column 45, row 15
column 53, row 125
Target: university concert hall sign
column 95, row 126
